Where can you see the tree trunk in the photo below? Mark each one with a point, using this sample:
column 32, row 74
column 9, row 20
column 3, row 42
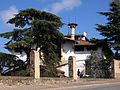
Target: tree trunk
column 116, row 53
column 32, row 24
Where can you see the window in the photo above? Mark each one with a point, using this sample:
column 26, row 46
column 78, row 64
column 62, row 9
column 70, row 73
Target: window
column 89, row 48
column 79, row 48
column 76, row 43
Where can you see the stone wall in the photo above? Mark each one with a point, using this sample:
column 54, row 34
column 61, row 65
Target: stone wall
column 15, row 80
column 18, row 80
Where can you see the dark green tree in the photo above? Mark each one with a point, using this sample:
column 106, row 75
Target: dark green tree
column 37, row 29
column 112, row 28
column 10, row 62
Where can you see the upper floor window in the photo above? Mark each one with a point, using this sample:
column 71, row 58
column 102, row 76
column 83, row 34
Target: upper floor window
column 79, row 48
column 89, row 48
column 85, row 48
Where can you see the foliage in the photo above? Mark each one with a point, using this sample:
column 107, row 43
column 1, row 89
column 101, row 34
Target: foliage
column 10, row 62
column 112, row 28
column 22, row 73
column 45, row 72
column 106, row 62
column 99, row 67
column 37, row 29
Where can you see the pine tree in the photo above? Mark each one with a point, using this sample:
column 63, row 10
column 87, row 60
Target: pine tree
column 112, row 28
column 10, row 62
column 37, row 28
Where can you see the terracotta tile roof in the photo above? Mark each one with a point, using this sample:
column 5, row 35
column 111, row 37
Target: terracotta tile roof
column 83, row 42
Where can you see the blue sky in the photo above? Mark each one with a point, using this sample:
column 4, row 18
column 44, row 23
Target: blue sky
column 82, row 12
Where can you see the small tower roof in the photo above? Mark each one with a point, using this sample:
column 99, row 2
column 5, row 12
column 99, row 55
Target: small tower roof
column 72, row 24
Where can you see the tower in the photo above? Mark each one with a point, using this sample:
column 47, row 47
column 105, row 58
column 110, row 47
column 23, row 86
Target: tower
column 72, row 26
column 85, row 33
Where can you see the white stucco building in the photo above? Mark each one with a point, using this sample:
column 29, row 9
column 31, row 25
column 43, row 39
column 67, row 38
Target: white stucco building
column 78, row 46
column 74, row 45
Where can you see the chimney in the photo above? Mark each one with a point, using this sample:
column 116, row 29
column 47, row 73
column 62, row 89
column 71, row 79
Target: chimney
column 84, row 33
column 72, row 26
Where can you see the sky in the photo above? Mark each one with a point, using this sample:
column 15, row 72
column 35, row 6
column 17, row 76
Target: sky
column 82, row 12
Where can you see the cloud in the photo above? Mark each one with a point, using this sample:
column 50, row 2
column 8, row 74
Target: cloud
column 8, row 14
column 63, row 5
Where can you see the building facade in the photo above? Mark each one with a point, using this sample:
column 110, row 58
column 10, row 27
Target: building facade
column 78, row 46
column 75, row 45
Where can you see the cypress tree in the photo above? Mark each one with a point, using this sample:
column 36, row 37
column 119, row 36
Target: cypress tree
column 111, row 30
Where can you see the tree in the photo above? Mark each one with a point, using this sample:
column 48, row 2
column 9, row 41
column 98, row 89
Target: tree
column 37, row 30
column 112, row 29
column 98, row 67
column 93, row 65
column 106, row 63
column 10, row 62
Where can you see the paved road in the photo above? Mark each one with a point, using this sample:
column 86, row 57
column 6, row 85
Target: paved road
column 113, row 86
